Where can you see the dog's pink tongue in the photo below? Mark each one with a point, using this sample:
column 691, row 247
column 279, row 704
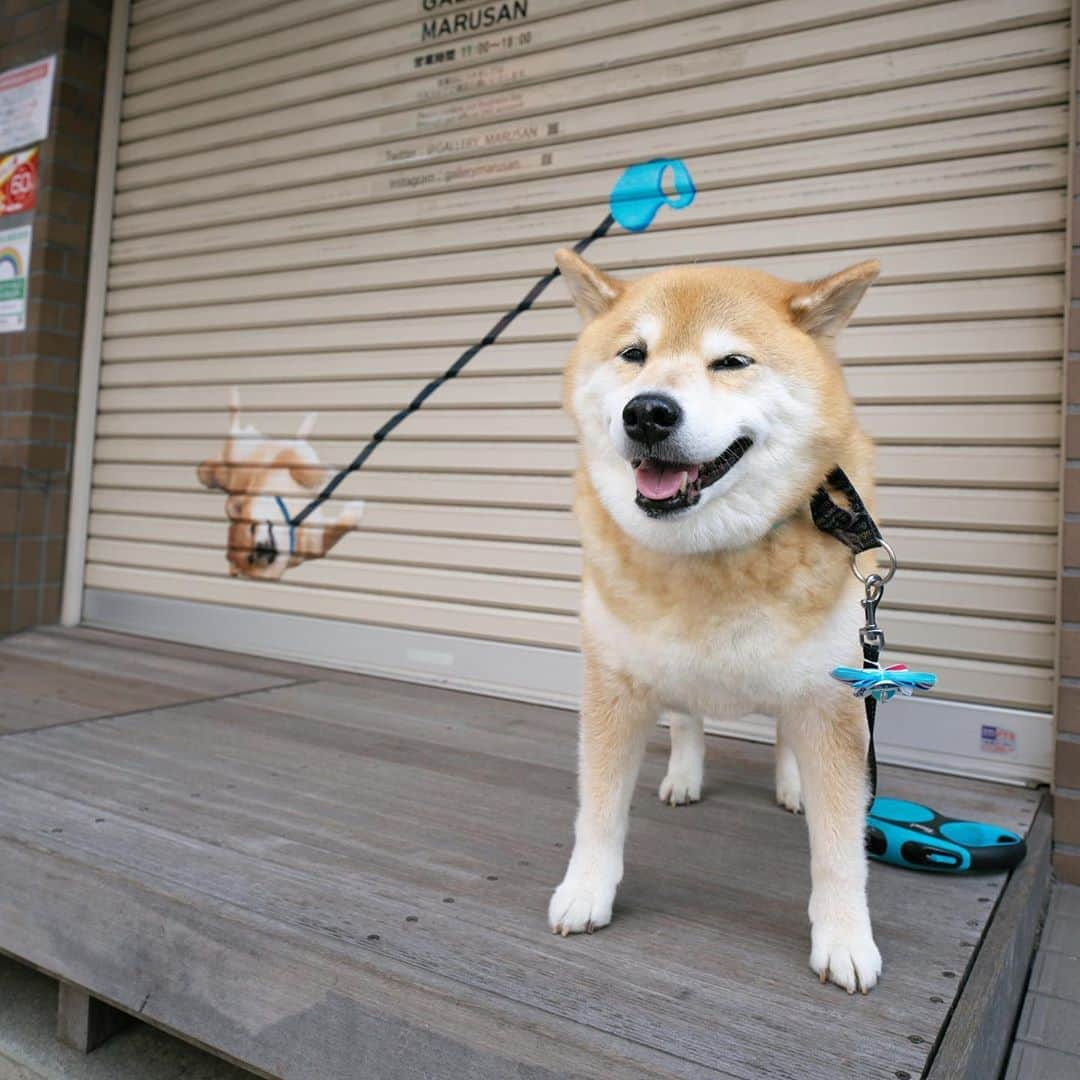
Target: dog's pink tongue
column 655, row 480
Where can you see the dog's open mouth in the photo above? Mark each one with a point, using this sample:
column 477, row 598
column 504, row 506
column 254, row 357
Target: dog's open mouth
column 664, row 487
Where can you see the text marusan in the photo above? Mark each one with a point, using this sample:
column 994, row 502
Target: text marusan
column 473, row 20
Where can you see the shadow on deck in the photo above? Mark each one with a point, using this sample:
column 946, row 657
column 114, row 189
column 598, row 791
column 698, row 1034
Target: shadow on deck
column 330, row 876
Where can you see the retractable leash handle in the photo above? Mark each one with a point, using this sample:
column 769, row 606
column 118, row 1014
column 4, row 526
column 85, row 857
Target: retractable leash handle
column 911, row 835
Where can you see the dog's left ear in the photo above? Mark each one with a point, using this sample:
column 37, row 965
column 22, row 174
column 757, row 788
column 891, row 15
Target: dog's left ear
column 822, row 308
column 592, row 290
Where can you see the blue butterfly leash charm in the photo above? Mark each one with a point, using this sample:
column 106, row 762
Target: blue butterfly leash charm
column 898, row 832
column 884, row 683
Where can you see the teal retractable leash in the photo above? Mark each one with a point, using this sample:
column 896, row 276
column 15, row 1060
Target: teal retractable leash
column 898, row 832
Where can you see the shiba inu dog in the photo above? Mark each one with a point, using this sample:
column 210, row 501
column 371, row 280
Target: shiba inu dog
column 709, row 407
column 266, row 481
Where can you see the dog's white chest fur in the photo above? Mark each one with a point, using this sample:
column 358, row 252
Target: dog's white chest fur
column 755, row 661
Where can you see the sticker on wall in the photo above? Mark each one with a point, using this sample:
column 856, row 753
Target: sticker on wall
column 18, row 182
column 264, row 479
column 997, row 740
column 14, row 278
column 260, row 477
column 25, row 99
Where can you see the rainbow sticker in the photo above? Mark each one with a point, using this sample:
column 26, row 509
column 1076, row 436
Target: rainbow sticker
column 11, row 263
column 14, row 278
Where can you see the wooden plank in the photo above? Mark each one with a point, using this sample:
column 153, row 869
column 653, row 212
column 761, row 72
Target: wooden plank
column 83, row 1021
column 301, row 889
column 85, row 680
column 975, row 1044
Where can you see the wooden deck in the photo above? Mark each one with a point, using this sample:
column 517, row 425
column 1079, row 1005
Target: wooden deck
column 328, row 876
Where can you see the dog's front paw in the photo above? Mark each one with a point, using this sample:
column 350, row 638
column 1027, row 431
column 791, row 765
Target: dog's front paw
column 845, row 954
column 788, row 781
column 789, row 791
column 352, row 513
column 681, row 785
column 581, row 904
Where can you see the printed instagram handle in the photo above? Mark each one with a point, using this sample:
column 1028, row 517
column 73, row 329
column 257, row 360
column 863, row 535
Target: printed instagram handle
column 639, row 193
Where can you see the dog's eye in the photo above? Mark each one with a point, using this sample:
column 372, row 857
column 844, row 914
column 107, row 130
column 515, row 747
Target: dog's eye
column 732, row 360
column 633, row 354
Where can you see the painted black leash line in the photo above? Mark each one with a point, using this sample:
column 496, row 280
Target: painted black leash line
column 488, row 339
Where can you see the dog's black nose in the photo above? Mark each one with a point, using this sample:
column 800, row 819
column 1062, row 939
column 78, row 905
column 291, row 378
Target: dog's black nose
column 263, row 553
column 651, row 418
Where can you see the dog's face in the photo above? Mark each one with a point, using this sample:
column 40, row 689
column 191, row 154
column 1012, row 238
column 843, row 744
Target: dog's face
column 258, row 540
column 258, row 536
column 708, row 401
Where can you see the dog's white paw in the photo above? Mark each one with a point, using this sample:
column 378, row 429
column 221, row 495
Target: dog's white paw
column 682, row 784
column 845, row 953
column 352, row 513
column 789, row 791
column 788, row 782
column 581, row 904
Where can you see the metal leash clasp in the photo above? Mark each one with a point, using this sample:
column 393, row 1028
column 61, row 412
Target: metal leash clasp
column 871, row 635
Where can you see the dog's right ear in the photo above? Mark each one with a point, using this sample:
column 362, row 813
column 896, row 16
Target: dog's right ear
column 592, row 290
column 214, row 474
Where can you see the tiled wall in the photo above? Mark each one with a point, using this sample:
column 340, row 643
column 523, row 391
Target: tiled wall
column 39, row 368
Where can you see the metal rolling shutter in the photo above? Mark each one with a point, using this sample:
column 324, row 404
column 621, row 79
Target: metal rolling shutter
column 309, row 208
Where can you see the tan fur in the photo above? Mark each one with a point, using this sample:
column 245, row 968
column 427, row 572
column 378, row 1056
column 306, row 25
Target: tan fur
column 797, row 569
column 791, row 577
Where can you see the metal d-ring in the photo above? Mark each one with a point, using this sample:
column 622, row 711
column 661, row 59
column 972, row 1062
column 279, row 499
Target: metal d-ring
column 888, row 575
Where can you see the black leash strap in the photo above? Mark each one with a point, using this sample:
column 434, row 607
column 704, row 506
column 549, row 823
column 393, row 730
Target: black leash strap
column 856, row 530
column 454, row 369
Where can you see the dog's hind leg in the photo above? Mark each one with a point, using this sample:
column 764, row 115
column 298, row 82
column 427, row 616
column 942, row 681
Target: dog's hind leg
column 616, row 716
column 788, row 782
column 829, row 738
column 686, row 765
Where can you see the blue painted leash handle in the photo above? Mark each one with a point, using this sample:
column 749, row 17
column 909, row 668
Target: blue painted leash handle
column 638, row 195
column 916, row 837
